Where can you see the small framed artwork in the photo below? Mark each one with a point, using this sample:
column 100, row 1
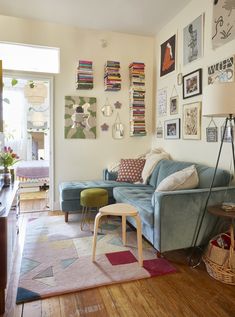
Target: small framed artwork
column 192, row 121
column 192, row 84
column 172, row 129
column 193, row 40
column 159, row 132
column 162, row 102
column 174, row 102
column 211, row 134
column 222, row 71
column 168, row 56
column 228, row 134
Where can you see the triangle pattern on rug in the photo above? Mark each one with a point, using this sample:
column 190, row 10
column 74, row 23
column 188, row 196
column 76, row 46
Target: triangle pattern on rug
column 28, row 265
column 67, row 262
column 50, row 281
column 48, row 272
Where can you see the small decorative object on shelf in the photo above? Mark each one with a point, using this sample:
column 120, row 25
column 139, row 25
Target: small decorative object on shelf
column 7, row 159
column 112, row 77
column 137, row 99
column 84, row 75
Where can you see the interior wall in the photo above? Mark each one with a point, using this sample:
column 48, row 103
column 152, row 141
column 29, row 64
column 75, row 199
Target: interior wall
column 192, row 150
column 80, row 159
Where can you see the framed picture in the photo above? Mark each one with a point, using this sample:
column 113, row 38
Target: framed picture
column 222, row 71
column 192, row 121
column 159, row 132
column 223, row 22
column 174, row 102
column 162, row 102
column 193, row 40
column 168, row 56
column 228, row 134
column 192, row 84
column 212, row 134
column 172, row 129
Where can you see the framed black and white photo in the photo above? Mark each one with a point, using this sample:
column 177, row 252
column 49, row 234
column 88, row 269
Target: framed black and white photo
column 172, row 129
column 211, row 134
column 192, row 84
column 174, row 105
column 193, row 40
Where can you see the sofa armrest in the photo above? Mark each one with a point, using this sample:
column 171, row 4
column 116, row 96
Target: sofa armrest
column 177, row 215
column 109, row 176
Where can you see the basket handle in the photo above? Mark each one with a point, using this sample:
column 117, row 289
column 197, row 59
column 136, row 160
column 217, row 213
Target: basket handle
column 231, row 251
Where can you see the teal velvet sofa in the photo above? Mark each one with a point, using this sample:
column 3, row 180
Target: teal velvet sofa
column 169, row 219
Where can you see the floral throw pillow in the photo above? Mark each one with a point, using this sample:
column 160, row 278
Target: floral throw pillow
column 130, row 170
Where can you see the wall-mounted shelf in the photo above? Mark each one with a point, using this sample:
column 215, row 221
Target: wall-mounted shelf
column 84, row 75
column 137, row 99
column 112, row 77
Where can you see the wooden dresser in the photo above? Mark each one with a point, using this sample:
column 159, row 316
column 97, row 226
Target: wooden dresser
column 8, row 233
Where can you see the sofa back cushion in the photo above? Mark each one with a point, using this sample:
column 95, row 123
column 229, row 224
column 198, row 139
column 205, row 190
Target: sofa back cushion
column 167, row 167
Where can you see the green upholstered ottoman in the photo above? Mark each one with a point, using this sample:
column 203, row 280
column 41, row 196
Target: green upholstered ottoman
column 92, row 198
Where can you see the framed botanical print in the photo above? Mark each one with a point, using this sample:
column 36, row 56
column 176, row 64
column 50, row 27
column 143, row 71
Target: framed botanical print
column 193, row 40
column 172, row 129
column 192, row 84
column 168, row 56
column 192, row 121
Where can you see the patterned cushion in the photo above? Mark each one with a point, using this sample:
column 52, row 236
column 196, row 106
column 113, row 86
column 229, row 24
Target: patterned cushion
column 130, row 170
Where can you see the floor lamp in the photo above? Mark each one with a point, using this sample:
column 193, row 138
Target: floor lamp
column 218, row 101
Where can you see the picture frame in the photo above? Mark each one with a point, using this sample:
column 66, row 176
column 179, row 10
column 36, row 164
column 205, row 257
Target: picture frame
column 174, row 105
column 193, row 40
column 172, row 129
column 162, row 102
column 168, row 56
column 192, row 84
column 211, row 134
column 191, row 126
column 159, row 132
column 222, row 71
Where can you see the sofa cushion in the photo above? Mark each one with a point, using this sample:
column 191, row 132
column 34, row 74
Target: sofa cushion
column 130, row 170
column 167, row 167
column 139, row 197
column 187, row 178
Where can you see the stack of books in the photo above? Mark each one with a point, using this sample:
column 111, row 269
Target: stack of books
column 137, row 99
column 112, row 77
column 84, row 75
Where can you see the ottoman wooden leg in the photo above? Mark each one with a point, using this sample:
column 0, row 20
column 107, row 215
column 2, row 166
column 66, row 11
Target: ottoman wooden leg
column 96, row 226
column 139, row 239
column 66, row 216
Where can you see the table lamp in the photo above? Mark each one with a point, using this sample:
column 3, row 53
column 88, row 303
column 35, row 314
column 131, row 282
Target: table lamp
column 218, row 101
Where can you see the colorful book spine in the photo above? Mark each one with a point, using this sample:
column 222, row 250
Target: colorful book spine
column 112, row 77
column 84, row 75
column 137, row 99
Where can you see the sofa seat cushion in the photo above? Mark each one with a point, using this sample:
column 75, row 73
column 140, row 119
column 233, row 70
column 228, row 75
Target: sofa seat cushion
column 139, row 197
column 72, row 190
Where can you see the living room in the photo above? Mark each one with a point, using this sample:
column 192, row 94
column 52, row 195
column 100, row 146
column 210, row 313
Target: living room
column 84, row 159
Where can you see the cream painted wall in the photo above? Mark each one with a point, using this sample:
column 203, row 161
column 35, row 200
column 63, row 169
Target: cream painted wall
column 192, row 150
column 79, row 159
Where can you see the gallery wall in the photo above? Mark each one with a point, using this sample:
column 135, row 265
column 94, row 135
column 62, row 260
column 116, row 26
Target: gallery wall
column 195, row 150
column 81, row 159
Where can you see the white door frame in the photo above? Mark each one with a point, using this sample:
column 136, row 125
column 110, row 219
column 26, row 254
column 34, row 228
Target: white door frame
column 50, row 79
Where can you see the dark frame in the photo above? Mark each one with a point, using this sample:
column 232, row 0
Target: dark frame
column 192, row 84
column 172, row 129
column 168, row 56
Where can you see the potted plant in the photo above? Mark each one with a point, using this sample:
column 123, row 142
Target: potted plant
column 7, row 159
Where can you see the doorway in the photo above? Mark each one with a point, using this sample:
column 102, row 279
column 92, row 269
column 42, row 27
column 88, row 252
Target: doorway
column 27, row 117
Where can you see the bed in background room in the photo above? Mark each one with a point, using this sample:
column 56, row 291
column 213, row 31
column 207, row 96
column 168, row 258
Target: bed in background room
column 33, row 173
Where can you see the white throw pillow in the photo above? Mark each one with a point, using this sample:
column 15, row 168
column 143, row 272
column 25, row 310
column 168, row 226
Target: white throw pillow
column 184, row 179
column 151, row 161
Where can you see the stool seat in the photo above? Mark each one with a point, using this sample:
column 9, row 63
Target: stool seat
column 92, row 198
column 122, row 210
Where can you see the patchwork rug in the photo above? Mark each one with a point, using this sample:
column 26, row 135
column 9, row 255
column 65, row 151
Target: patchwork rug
column 57, row 258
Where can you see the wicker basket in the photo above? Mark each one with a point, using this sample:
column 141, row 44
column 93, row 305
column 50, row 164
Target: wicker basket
column 220, row 263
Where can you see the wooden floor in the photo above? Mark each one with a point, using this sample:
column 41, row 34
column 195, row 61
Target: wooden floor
column 34, row 201
column 190, row 293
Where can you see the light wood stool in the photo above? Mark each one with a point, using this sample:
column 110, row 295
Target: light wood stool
column 122, row 210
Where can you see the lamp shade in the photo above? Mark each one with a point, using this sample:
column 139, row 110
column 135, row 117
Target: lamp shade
column 219, row 100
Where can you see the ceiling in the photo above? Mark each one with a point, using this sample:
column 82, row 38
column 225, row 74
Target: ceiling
column 143, row 17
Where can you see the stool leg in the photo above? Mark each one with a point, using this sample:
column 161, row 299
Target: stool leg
column 124, row 230
column 139, row 239
column 96, row 226
column 66, row 216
